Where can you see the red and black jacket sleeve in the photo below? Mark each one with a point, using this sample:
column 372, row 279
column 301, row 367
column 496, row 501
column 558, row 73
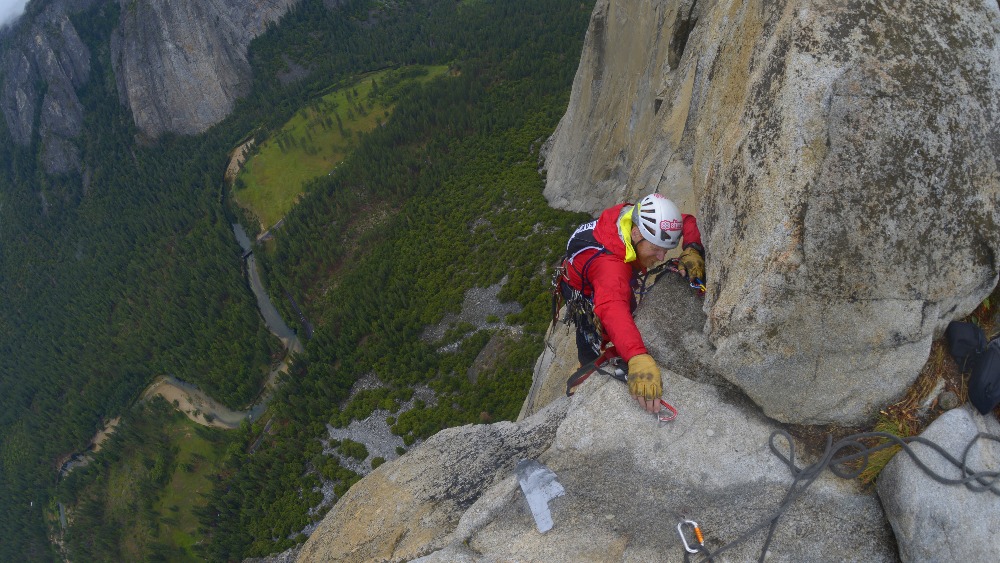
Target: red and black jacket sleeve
column 613, row 296
column 691, row 234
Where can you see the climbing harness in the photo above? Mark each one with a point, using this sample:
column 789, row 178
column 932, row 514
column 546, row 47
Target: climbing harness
column 580, row 306
column 580, row 309
column 976, row 481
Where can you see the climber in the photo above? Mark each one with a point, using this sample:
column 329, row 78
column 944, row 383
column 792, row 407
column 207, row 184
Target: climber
column 605, row 264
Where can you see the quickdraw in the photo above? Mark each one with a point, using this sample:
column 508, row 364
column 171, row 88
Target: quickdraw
column 667, row 413
column 579, row 308
column 673, row 265
column 557, row 296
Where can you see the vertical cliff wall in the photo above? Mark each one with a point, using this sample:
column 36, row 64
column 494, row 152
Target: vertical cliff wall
column 843, row 158
column 42, row 66
column 180, row 65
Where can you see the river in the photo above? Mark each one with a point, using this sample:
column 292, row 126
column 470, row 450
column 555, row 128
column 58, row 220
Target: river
column 195, row 403
column 272, row 319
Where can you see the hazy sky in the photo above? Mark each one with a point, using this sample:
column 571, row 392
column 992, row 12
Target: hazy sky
column 10, row 9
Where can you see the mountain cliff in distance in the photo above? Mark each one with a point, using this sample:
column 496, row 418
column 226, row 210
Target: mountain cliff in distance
column 179, row 67
column 42, row 65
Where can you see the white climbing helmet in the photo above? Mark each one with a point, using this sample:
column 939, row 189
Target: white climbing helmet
column 658, row 220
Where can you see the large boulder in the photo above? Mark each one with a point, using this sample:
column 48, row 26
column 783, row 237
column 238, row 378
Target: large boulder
column 409, row 506
column 939, row 522
column 845, row 161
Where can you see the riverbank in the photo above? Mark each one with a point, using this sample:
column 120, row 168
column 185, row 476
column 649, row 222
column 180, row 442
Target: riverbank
column 195, row 403
column 187, row 398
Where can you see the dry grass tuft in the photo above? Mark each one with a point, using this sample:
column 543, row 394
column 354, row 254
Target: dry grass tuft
column 917, row 409
column 986, row 314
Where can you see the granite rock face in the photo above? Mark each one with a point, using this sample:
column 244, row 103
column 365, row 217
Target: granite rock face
column 409, row 506
column 44, row 64
column 627, row 479
column 842, row 158
column 180, row 65
column 844, row 161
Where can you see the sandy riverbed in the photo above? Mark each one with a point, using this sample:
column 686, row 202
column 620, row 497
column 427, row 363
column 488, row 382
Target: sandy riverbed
column 194, row 403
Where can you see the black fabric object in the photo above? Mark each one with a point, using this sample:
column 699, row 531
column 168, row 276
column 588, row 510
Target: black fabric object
column 584, row 350
column 964, row 340
column 984, row 383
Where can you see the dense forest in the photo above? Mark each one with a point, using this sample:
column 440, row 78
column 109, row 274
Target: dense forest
column 131, row 270
column 109, row 279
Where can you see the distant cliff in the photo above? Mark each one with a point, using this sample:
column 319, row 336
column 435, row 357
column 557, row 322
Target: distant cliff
column 179, row 67
column 41, row 68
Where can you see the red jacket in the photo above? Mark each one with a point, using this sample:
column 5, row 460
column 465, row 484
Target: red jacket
column 610, row 279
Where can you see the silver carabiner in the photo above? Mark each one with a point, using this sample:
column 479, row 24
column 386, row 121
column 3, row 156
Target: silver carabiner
column 697, row 535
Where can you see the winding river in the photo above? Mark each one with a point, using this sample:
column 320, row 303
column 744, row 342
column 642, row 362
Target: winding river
column 271, row 316
column 195, row 403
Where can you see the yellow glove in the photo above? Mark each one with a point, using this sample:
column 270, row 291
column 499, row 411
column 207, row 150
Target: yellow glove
column 693, row 263
column 644, row 381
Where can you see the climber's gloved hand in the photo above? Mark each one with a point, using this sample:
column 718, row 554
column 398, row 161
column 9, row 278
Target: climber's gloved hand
column 644, row 382
column 692, row 262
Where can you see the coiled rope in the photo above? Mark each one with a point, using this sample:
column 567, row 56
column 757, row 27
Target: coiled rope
column 837, row 457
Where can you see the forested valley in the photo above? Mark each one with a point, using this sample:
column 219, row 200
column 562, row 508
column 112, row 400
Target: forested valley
column 131, row 271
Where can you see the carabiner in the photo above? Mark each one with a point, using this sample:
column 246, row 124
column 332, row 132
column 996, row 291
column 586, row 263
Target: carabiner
column 666, row 417
column 696, row 283
column 697, row 535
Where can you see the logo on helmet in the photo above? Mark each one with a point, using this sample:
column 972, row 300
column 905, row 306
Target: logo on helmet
column 659, row 196
column 671, row 225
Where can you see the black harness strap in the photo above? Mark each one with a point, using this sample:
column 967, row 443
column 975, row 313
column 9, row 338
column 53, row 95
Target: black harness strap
column 588, row 369
column 579, row 376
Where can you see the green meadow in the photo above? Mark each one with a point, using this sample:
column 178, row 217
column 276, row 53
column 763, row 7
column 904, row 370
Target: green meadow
column 313, row 142
column 142, row 496
column 199, row 451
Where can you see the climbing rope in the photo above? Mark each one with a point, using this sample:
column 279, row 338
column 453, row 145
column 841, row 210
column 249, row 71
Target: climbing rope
column 976, row 481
